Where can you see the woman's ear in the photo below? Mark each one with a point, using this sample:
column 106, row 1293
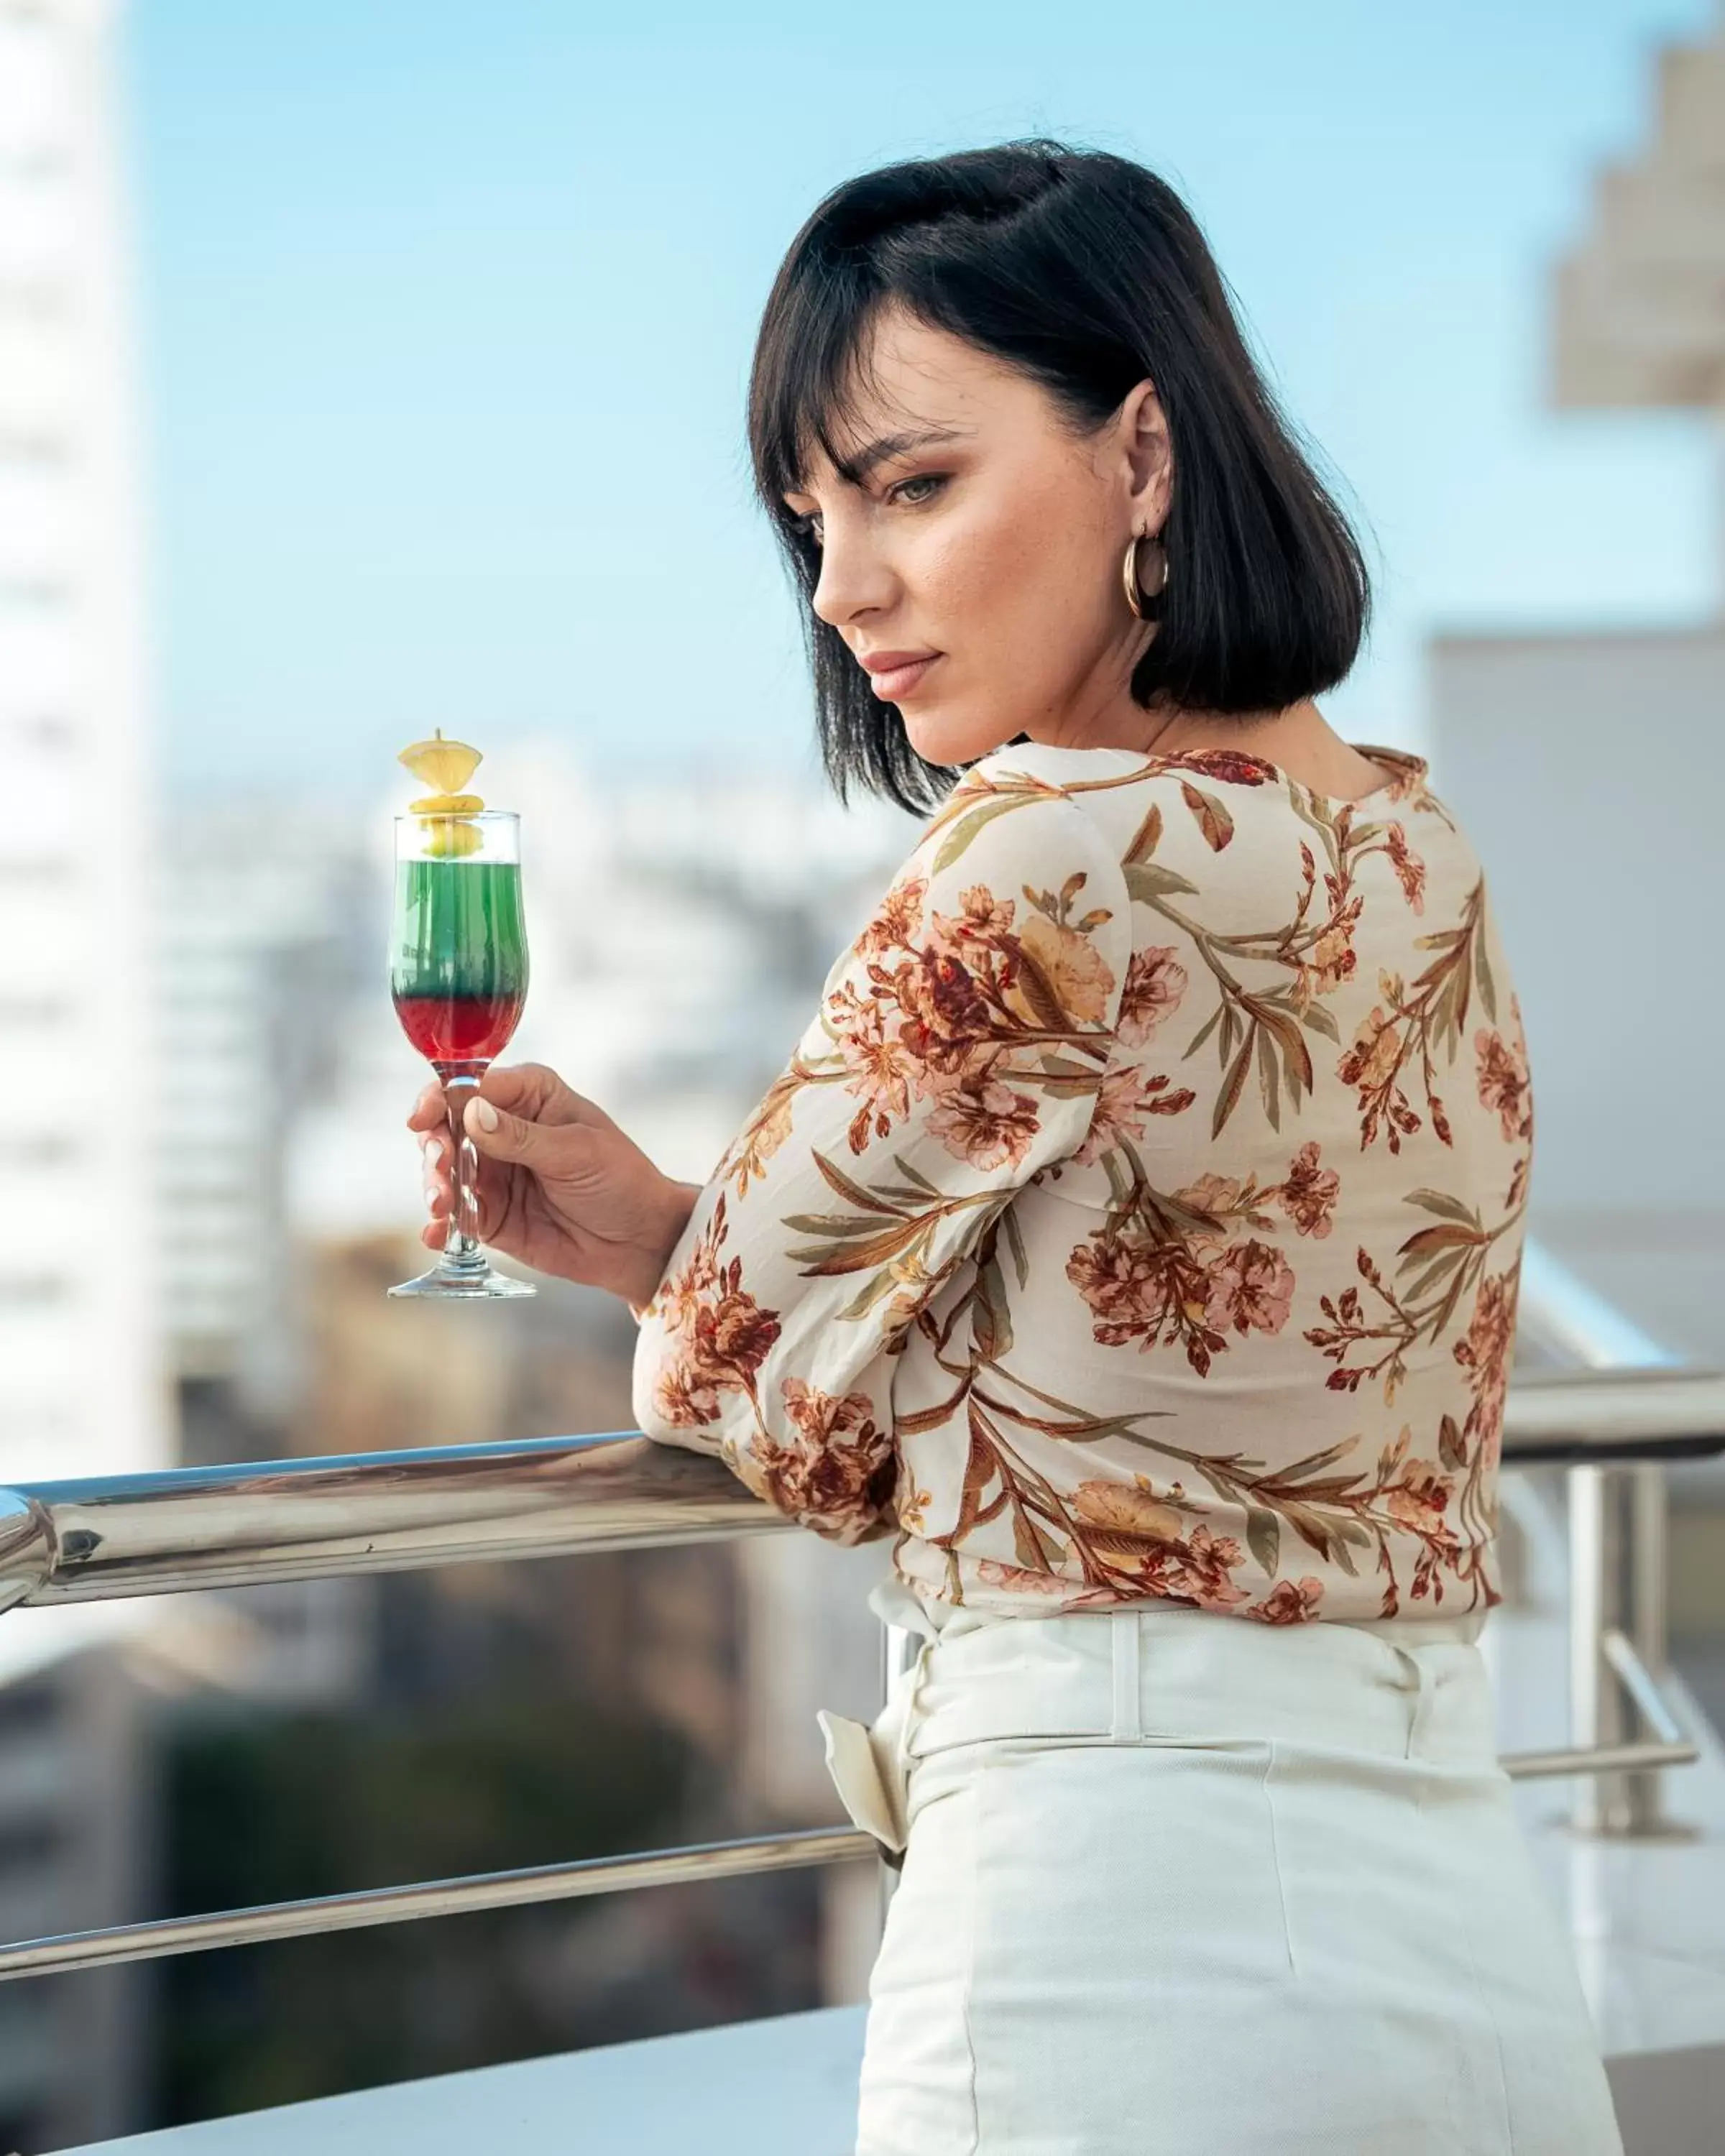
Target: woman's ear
column 1148, row 452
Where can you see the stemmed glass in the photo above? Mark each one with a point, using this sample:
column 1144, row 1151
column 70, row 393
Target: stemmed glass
column 458, row 976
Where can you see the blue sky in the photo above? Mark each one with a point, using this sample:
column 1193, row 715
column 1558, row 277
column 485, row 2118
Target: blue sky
column 446, row 312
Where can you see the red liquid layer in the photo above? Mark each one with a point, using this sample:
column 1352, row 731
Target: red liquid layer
column 460, row 1029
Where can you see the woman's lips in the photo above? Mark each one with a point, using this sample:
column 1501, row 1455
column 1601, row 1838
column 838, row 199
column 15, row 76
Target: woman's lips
column 898, row 682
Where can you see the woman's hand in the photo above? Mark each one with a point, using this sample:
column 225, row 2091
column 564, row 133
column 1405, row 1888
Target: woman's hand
column 560, row 1187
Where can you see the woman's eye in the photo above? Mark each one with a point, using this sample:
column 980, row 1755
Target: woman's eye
column 931, row 482
column 807, row 527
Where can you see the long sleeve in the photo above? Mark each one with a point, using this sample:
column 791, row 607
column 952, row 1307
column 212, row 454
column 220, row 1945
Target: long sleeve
column 956, row 1053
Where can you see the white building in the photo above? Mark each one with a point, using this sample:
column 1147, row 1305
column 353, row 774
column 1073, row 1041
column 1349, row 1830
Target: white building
column 80, row 1391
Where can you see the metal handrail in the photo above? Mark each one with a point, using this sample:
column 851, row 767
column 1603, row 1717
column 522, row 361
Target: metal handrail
column 438, row 1897
column 119, row 1536
column 122, row 1535
column 1590, row 1418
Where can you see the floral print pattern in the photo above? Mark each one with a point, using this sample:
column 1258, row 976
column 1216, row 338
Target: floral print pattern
column 1140, row 1215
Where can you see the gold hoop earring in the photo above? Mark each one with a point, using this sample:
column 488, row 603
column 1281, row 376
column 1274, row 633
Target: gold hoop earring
column 1136, row 594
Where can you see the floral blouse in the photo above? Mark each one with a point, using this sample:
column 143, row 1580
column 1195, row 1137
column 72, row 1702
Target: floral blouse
column 1140, row 1215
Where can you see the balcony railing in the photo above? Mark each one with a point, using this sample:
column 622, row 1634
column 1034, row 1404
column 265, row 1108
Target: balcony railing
column 1611, row 1428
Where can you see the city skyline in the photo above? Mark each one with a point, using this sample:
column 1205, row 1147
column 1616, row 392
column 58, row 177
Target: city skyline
column 443, row 382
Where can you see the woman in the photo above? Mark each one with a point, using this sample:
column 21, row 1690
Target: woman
column 1132, row 1236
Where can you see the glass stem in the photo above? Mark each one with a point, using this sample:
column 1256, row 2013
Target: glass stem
column 461, row 1244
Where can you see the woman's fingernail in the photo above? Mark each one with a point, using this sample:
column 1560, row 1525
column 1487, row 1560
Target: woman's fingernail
column 483, row 1114
column 434, row 1151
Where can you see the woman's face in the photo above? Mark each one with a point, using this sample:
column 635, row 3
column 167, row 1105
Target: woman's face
column 981, row 542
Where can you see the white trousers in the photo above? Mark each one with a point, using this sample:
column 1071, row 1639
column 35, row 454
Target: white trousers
column 1183, row 1884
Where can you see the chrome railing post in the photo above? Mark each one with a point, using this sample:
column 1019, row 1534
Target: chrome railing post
column 1648, row 1613
column 1618, row 1582
column 1597, row 1707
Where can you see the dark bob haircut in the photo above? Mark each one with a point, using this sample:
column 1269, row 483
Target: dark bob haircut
column 1087, row 272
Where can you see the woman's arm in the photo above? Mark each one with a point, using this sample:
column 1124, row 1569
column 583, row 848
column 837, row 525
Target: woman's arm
column 956, row 1054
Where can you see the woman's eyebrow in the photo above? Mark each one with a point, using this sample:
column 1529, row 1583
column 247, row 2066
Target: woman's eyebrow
column 856, row 468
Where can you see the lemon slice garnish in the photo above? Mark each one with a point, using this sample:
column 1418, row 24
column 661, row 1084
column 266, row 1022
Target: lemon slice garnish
column 447, row 766
column 448, row 838
column 444, row 765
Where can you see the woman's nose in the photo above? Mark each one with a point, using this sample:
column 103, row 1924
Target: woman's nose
column 854, row 581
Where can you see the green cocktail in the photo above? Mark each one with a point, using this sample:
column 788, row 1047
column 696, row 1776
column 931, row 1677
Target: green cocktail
column 458, row 975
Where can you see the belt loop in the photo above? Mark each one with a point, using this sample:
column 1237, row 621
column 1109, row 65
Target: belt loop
column 1419, row 1714
column 1128, row 1708
column 906, row 1696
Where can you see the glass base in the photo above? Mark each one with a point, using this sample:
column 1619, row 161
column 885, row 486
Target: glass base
column 471, row 1282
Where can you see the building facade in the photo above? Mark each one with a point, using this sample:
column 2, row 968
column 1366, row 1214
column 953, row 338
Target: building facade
column 80, row 1387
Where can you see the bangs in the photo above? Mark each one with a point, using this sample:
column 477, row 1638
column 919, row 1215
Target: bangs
column 811, row 374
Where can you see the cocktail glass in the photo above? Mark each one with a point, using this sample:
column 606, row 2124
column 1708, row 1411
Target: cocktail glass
column 458, row 973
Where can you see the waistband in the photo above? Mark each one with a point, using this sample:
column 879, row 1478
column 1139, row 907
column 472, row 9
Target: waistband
column 1137, row 1675
column 1398, row 1691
